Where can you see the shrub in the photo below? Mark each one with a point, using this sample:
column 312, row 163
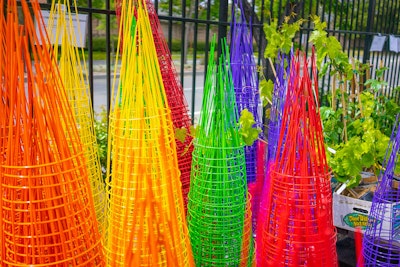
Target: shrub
column 99, row 44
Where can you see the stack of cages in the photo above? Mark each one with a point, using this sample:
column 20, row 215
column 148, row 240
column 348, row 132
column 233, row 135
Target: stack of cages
column 175, row 97
column 218, row 190
column 381, row 242
column 274, row 124
column 245, row 80
column 47, row 214
column 72, row 67
column 146, row 220
column 299, row 230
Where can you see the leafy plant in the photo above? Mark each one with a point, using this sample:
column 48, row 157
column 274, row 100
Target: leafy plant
column 101, row 131
column 247, row 130
column 364, row 151
column 280, row 38
column 356, row 123
column 359, row 119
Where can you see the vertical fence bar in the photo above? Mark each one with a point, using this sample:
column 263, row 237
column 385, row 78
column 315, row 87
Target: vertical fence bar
column 364, row 29
column 355, row 27
column 194, row 71
column 370, row 23
column 207, row 39
column 108, row 55
column 90, row 49
column 223, row 20
column 183, row 44
column 309, row 23
column 156, row 5
column 394, row 57
column 170, row 25
column 349, row 30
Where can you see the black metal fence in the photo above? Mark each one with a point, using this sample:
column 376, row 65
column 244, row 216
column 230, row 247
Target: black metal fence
column 189, row 25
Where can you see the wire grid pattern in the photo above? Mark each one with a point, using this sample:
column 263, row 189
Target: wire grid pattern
column 147, row 224
column 217, row 196
column 248, row 245
column 176, row 100
column 299, row 227
column 381, row 242
column 73, row 71
column 47, row 215
column 245, row 80
column 276, row 111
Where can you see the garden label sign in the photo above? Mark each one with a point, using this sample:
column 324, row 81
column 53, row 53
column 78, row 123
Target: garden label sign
column 378, row 43
column 394, row 44
column 78, row 22
column 356, row 220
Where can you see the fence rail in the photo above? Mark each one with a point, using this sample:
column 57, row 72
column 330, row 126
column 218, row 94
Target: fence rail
column 353, row 22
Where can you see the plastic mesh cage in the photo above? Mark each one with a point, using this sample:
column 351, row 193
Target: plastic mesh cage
column 176, row 100
column 248, row 245
column 72, row 69
column 47, row 210
column 381, row 242
column 278, row 102
column 276, row 111
column 146, row 218
column 245, row 80
column 299, row 230
column 217, row 197
column 47, row 216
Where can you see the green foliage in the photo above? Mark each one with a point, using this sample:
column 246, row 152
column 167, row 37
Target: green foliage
column 177, row 8
column 247, row 130
column 99, row 44
column 176, row 46
column 329, row 48
column 266, row 91
column 364, row 151
column 98, row 4
column 333, row 125
column 369, row 124
column 180, row 134
column 275, row 9
column 193, row 131
column 280, row 38
column 101, row 132
column 84, row 3
column 356, row 126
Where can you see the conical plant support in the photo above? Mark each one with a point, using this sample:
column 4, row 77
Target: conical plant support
column 47, row 215
column 176, row 101
column 245, row 80
column 382, row 236
column 73, row 71
column 248, row 245
column 217, row 196
column 299, row 227
column 147, row 224
column 276, row 112
column 175, row 97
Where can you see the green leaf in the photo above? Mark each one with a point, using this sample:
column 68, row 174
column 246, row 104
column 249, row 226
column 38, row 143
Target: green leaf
column 247, row 131
column 193, row 131
column 354, row 181
column 266, row 91
column 379, row 72
column 180, row 134
column 280, row 39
